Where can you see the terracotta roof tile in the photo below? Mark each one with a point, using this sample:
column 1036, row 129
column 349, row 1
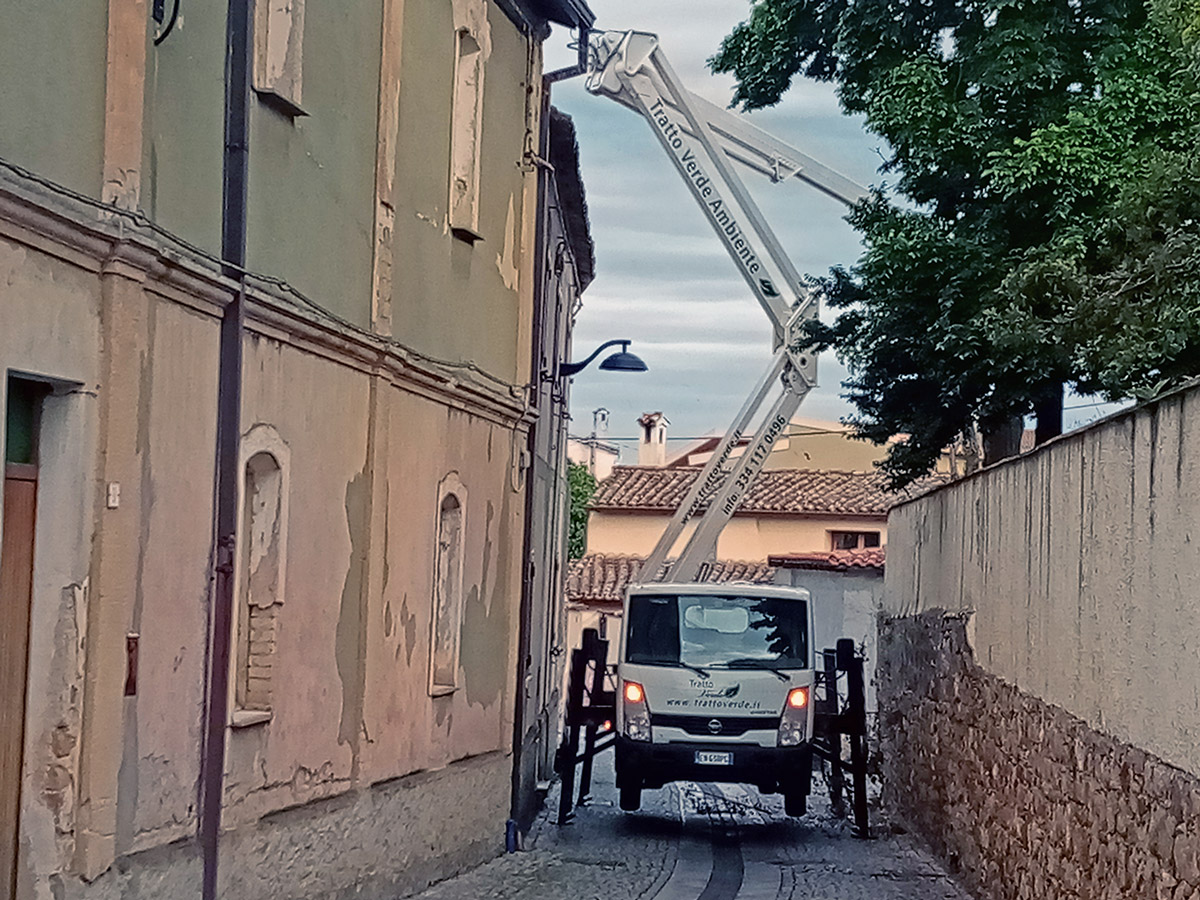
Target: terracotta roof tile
column 779, row 491
column 832, row 560
column 602, row 577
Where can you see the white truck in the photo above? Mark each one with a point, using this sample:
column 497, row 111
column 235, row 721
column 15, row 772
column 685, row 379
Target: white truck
column 715, row 681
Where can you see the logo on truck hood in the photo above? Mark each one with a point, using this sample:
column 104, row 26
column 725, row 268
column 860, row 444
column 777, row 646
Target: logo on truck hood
column 727, row 693
column 715, row 726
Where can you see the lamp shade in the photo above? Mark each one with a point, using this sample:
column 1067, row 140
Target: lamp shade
column 624, row 361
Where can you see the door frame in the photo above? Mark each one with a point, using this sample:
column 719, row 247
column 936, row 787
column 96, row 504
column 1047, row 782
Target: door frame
column 18, row 539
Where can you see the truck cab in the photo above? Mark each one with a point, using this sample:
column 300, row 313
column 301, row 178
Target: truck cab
column 715, row 684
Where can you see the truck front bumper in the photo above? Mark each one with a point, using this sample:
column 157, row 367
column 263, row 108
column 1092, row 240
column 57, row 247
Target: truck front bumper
column 771, row 769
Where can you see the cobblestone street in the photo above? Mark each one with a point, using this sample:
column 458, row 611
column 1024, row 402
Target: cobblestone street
column 703, row 842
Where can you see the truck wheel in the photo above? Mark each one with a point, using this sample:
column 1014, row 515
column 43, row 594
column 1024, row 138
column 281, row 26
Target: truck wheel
column 631, row 798
column 795, row 803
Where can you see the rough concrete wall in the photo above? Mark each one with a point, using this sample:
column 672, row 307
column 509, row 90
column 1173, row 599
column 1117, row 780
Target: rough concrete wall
column 1080, row 561
column 1024, row 799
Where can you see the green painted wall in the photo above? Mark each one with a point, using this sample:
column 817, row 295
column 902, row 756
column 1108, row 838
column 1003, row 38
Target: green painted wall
column 450, row 298
column 312, row 179
column 52, row 62
column 184, row 127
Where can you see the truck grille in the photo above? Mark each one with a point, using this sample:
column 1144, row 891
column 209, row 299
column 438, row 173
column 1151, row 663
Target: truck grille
column 731, row 726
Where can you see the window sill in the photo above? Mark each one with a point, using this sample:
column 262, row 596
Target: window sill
column 281, row 104
column 244, row 718
column 442, row 691
column 467, row 235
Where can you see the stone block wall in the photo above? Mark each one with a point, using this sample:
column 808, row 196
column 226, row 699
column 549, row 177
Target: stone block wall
column 1024, row 800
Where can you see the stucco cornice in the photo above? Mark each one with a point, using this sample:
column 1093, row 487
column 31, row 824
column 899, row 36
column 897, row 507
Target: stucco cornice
column 83, row 233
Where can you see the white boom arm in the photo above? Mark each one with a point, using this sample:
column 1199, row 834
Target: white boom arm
column 702, row 140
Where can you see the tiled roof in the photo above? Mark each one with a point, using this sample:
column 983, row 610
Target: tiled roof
column 779, row 491
column 603, row 577
column 832, row 560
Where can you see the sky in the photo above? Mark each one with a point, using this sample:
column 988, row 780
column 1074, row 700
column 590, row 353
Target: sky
column 663, row 279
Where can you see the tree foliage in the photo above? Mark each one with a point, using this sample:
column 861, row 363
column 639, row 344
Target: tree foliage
column 581, row 484
column 1048, row 157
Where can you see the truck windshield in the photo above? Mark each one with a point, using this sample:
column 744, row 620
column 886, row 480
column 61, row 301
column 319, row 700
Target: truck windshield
column 715, row 631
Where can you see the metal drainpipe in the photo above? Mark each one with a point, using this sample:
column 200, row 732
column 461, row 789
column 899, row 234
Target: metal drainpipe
column 239, row 22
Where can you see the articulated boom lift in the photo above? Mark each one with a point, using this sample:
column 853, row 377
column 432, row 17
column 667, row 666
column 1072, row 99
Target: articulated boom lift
column 703, row 141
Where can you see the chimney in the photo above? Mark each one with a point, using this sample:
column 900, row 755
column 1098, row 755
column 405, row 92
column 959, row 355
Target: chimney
column 652, row 444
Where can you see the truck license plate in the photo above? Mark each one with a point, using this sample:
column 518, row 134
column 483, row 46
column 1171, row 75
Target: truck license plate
column 711, row 758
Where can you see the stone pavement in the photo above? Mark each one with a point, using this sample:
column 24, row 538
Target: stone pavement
column 703, row 842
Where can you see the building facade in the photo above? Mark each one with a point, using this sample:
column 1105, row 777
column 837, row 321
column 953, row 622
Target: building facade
column 388, row 394
column 565, row 269
column 785, row 511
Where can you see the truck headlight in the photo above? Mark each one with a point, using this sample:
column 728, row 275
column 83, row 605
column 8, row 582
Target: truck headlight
column 636, row 713
column 793, row 725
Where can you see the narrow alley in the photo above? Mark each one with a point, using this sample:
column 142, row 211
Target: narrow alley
column 705, row 842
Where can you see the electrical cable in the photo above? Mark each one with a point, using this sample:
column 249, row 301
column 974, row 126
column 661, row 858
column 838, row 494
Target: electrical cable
column 142, row 221
column 170, row 24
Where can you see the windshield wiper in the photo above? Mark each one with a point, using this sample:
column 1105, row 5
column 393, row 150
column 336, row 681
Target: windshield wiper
column 750, row 663
column 699, row 671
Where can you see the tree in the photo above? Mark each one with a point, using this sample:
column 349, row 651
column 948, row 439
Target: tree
column 1048, row 153
column 581, row 484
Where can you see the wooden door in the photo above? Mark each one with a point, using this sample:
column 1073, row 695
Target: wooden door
column 16, row 588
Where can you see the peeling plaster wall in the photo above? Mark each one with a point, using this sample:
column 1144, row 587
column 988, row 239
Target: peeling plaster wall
column 60, row 305
column 408, row 729
column 482, row 291
column 357, row 782
column 176, row 432
column 1080, row 561
column 353, row 738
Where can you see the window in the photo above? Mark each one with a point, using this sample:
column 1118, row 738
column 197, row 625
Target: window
column 278, row 53
column 447, row 587
column 853, row 540
column 465, row 133
column 23, row 410
column 735, row 631
column 262, row 564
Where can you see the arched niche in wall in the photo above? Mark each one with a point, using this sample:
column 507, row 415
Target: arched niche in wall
column 447, row 585
column 264, row 493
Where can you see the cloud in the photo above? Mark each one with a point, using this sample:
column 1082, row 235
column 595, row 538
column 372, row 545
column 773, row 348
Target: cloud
column 663, row 278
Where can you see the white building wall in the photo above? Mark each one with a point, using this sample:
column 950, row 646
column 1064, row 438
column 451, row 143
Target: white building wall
column 1080, row 561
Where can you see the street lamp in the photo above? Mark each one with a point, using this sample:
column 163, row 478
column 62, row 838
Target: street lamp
column 622, row 361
